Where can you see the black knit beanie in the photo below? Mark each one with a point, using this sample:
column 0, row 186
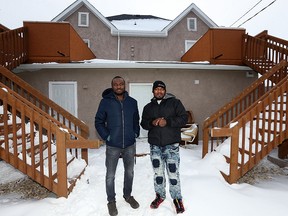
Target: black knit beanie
column 159, row 83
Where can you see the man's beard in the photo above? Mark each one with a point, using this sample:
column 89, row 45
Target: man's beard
column 119, row 94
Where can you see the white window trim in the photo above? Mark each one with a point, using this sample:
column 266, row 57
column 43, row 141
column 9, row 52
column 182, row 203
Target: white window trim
column 187, row 44
column 87, row 41
column 195, row 24
column 79, row 19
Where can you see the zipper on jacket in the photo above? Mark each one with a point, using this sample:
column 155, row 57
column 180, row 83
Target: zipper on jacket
column 123, row 121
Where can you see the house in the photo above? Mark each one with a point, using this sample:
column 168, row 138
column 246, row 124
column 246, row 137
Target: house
column 202, row 87
column 76, row 85
column 136, row 37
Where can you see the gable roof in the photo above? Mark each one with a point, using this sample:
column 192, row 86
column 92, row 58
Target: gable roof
column 197, row 11
column 75, row 6
column 128, row 31
column 133, row 16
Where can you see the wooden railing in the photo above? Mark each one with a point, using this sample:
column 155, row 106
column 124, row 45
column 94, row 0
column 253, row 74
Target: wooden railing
column 248, row 125
column 239, row 104
column 255, row 132
column 263, row 52
column 13, row 52
column 13, row 48
column 38, row 145
column 37, row 136
column 38, row 99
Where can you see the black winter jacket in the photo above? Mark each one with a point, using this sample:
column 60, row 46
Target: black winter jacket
column 116, row 121
column 175, row 114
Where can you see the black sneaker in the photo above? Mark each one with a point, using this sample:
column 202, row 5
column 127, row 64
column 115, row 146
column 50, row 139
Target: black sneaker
column 112, row 208
column 133, row 203
column 179, row 205
column 156, row 202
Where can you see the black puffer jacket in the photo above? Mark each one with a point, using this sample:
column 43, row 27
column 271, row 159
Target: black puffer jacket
column 116, row 121
column 175, row 114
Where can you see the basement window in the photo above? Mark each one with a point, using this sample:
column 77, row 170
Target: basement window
column 192, row 24
column 83, row 19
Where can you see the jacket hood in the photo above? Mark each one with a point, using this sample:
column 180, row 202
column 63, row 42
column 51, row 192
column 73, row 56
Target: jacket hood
column 108, row 93
column 169, row 95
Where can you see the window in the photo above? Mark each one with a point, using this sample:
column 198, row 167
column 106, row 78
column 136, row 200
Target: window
column 87, row 41
column 192, row 24
column 83, row 19
column 189, row 44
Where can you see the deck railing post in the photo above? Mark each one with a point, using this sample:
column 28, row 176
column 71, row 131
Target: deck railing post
column 62, row 188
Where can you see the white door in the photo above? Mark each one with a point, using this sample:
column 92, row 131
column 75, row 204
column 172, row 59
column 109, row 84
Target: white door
column 142, row 92
column 65, row 95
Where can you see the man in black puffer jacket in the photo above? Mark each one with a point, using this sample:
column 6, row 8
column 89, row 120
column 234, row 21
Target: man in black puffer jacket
column 163, row 117
column 117, row 122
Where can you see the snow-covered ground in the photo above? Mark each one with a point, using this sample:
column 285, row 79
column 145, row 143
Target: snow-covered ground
column 204, row 190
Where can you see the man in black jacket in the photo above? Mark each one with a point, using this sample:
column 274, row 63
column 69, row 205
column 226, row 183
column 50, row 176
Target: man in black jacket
column 117, row 122
column 163, row 117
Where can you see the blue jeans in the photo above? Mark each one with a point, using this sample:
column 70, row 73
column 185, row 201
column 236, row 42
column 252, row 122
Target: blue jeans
column 112, row 157
column 168, row 158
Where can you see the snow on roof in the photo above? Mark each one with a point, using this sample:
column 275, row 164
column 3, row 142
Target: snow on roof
column 104, row 63
column 141, row 24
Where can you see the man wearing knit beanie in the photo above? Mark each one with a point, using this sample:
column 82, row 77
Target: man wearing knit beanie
column 158, row 83
column 164, row 117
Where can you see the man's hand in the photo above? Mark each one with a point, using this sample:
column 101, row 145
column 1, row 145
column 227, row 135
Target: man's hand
column 161, row 122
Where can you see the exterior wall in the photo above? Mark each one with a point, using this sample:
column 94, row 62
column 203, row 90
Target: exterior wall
column 215, row 88
column 105, row 46
column 169, row 48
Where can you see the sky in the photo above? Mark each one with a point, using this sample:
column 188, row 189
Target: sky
column 204, row 190
column 222, row 12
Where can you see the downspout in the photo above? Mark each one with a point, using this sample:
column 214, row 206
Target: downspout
column 118, row 51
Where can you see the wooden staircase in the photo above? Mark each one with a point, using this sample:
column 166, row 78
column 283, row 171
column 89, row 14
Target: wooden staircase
column 249, row 127
column 37, row 136
column 39, row 145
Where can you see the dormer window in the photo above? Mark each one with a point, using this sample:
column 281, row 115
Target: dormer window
column 83, row 19
column 192, row 24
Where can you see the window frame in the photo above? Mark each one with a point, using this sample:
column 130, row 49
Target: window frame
column 189, row 20
column 86, row 14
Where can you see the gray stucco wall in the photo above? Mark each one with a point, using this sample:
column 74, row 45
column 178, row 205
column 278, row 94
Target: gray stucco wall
column 138, row 47
column 215, row 88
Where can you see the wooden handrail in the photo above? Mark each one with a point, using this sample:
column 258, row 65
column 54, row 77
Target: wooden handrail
column 41, row 139
column 255, row 112
column 13, row 48
column 261, row 56
column 263, row 52
column 37, row 109
column 239, row 104
column 37, row 98
column 16, row 152
column 263, row 138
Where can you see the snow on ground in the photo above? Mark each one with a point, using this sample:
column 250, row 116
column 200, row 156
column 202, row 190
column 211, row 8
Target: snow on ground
column 204, row 190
